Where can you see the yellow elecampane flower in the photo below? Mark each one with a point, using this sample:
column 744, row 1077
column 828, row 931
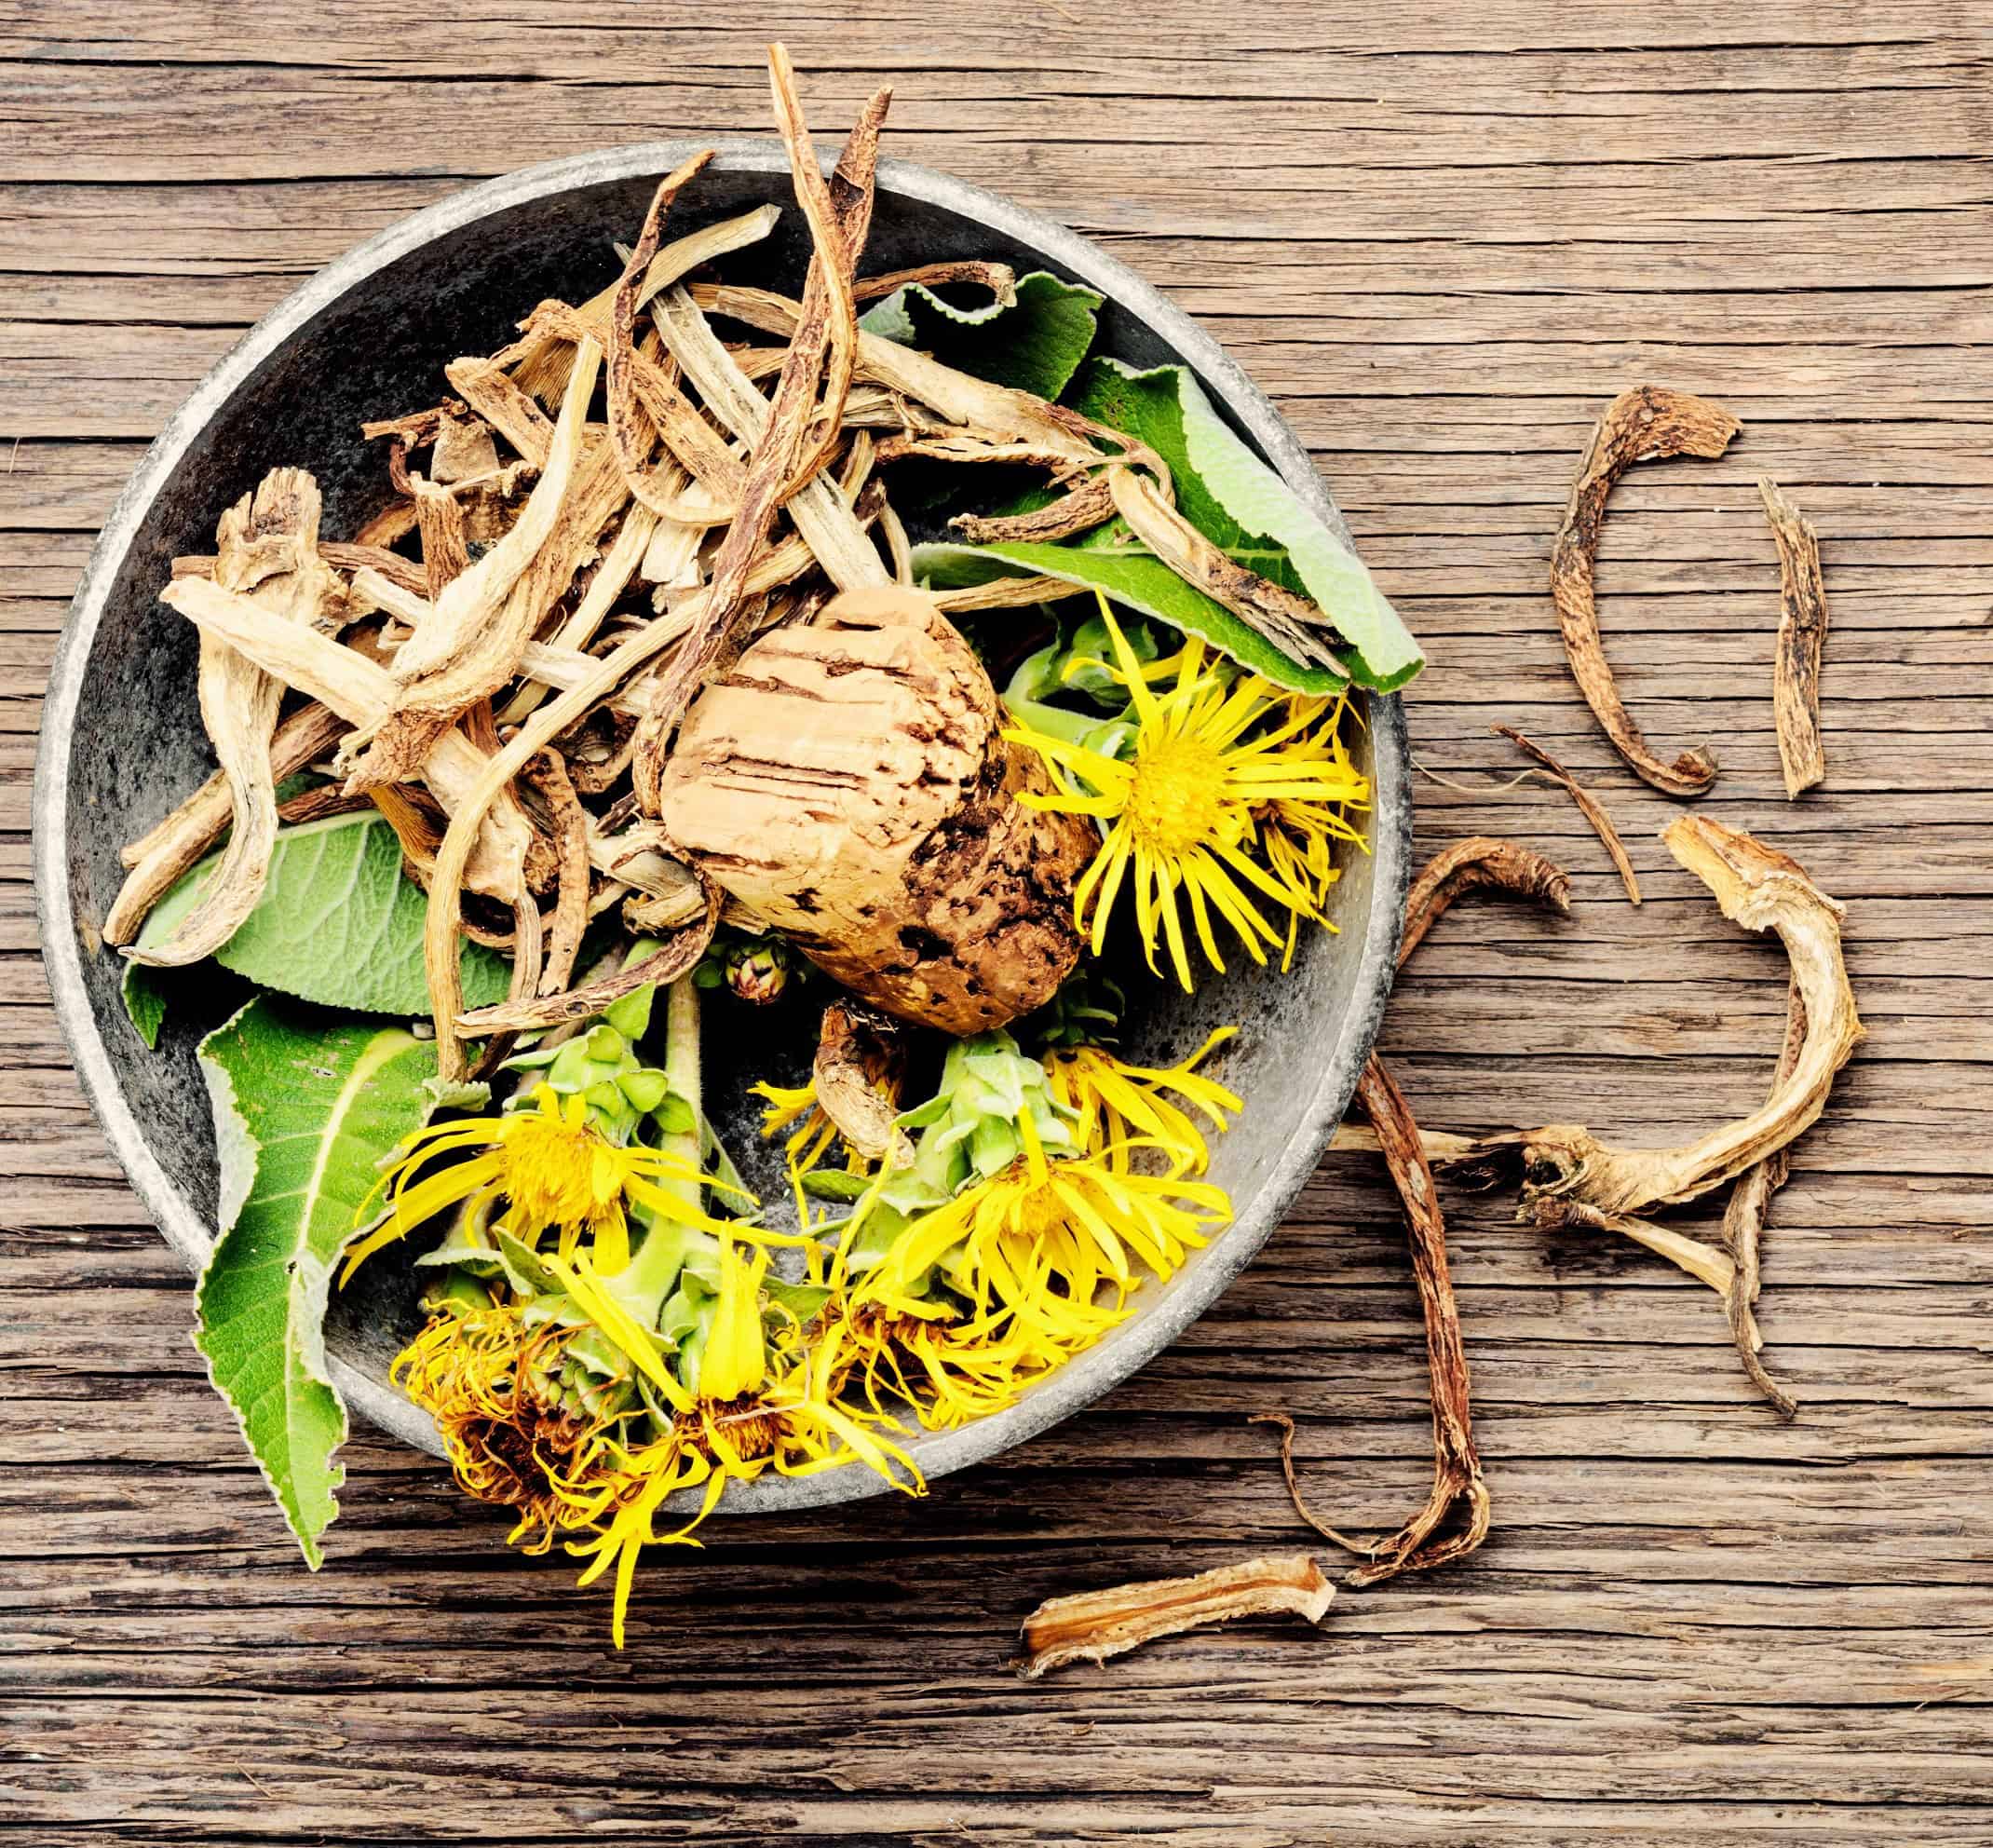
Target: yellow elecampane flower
column 548, row 1168
column 1226, row 787
column 1117, row 1107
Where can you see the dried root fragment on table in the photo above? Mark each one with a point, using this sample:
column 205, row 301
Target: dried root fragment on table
column 1589, row 806
column 1647, row 422
column 1743, row 1221
column 267, row 550
column 1479, row 863
column 1092, row 1625
column 1482, row 863
column 849, row 783
column 1570, row 1178
column 1802, row 634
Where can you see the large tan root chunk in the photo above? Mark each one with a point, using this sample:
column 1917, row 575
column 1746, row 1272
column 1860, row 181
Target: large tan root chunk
column 848, row 783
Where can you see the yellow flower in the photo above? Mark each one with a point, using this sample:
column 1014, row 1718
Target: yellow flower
column 790, row 1426
column 1300, row 835
column 813, row 1133
column 550, row 1168
column 1183, row 812
column 1041, row 1240
column 736, row 1357
column 1118, row 1107
column 948, row 1370
column 513, row 1437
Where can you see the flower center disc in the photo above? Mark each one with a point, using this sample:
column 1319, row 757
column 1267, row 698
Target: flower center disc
column 1177, row 798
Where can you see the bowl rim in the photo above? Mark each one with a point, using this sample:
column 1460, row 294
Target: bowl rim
column 1089, row 1374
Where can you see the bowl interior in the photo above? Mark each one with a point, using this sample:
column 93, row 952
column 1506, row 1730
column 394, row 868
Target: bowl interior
column 369, row 339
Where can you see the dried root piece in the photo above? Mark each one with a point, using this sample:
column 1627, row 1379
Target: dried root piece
column 157, row 860
column 860, row 1060
column 1000, row 278
column 1479, row 863
column 1077, row 511
column 1802, row 633
column 1290, row 623
column 1647, row 422
column 1092, row 1625
column 1457, row 1485
column 1743, row 1221
column 1002, row 593
column 678, row 955
column 548, row 774
column 267, row 550
column 1569, row 1175
column 848, row 783
column 1589, row 806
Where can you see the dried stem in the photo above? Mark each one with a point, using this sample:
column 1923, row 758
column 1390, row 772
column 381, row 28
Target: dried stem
column 1589, row 806
column 1649, row 421
column 1092, row 1625
column 1802, row 634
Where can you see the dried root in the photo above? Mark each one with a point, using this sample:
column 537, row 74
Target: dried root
column 1570, row 1178
column 1743, row 1221
column 1479, row 863
column 1092, row 1625
column 1802, row 634
column 266, row 551
column 1647, row 422
column 1589, row 806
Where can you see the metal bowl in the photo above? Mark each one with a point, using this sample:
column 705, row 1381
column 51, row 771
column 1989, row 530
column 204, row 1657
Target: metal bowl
column 368, row 336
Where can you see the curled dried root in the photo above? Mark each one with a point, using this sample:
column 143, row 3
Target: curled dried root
column 1649, row 421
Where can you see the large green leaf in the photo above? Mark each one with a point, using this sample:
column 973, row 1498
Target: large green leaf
column 1243, row 506
column 1136, row 580
column 303, row 1114
column 339, row 923
column 1034, row 344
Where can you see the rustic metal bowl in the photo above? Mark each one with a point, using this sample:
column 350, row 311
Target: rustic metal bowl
column 368, row 336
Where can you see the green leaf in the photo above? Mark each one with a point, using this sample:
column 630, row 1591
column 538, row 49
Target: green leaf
column 146, row 1002
column 1136, row 580
column 1243, row 506
column 1034, row 344
column 339, row 923
column 304, row 1115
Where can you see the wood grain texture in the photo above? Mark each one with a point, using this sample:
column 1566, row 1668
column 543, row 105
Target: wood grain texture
column 1443, row 237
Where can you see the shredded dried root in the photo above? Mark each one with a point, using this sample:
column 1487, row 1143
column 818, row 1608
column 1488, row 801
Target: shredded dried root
column 1802, row 635
column 1092, row 1625
column 268, row 552
column 1647, row 422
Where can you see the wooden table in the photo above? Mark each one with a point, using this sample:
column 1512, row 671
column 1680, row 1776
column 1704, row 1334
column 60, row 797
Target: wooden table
column 1442, row 236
